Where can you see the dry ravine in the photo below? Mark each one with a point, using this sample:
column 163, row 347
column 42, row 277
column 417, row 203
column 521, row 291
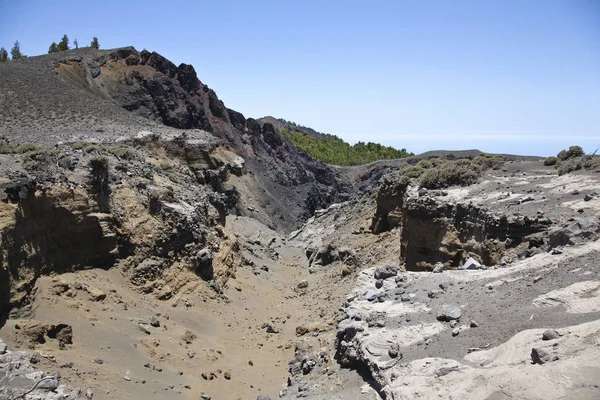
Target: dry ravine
column 156, row 244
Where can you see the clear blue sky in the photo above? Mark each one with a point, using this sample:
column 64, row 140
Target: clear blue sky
column 518, row 76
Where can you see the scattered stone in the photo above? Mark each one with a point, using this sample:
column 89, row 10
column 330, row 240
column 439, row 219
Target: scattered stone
column 452, row 323
column 439, row 267
column 449, row 312
column 371, row 295
column 556, row 251
column 474, row 324
column 541, row 356
column 587, row 197
column 445, row 370
column 96, row 294
column 303, row 284
column 455, row 331
column 471, row 263
column 301, row 330
column 385, row 271
column 270, row 328
column 405, row 298
column 394, row 351
column 227, row 375
column 347, row 270
column 143, row 326
column 263, row 397
column 99, row 361
column 379, row 283
column 154, row 321
column 205, row 396
column 575, row 192
column 550, row 334
column 127, row 378
column 527, row 199
column 188, row 336
column 432, row 294
column 537, row 279
column 191, row 354
column 3, row 347
column 376, row 319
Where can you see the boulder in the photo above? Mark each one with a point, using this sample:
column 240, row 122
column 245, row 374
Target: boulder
column 471, row 263
column 204, row 264
column 541, row 356
column 385, row 271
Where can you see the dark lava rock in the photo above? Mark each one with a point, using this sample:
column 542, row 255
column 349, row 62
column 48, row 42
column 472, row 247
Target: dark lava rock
column 204, row 265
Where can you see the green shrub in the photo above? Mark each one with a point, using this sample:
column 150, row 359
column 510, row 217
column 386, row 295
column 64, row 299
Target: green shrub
column 572, row 152
column 575, row 151
column 462, row 172
column 487, row 161
column 123, row 152
column 551, row 161
column 411, row 171
column 6, row 148
column 26, row 147
column 79, row 145
column 425, row 164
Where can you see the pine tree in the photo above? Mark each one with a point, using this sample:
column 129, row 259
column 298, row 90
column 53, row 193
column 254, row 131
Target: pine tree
column 52, row 48
column 95, row 43
column 63, row 44
column 15, row 52
column 76, row 43
column 3, row 55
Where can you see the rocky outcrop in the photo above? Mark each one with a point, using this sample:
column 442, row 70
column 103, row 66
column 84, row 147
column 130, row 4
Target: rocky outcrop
column 147, row 84
column 389, row 200
column 55, row 230
column 437, row 231
column 21, row 379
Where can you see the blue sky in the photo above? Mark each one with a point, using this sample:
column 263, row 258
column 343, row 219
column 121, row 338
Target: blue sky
column 512, row 76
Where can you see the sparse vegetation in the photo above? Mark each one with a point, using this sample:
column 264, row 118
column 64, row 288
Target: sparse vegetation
column 462, row 172
column 550, row 161
column 15, row 52
column 123, row 152
column 6, row 148
column 334, row 150
column 95, row 44
column 573, row 159
column 438, row 172
column 3, row 55
column 26, row 148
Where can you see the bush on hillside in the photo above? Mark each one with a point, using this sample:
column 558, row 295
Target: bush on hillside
column 550, row 161
column 462, row 172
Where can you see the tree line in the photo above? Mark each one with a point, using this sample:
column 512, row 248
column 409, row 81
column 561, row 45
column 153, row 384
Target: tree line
column 333, row 150
column 62, row 45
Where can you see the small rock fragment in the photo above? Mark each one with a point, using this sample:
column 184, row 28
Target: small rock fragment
column 394, row 351
column 550, row 334
column 303, row 284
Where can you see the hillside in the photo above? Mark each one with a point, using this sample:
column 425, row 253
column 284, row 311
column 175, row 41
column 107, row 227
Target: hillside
column 332, row 149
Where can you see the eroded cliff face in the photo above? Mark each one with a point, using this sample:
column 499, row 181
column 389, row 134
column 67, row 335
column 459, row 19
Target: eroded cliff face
column 437, row 231
column 154, row 216
column 285, row 186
